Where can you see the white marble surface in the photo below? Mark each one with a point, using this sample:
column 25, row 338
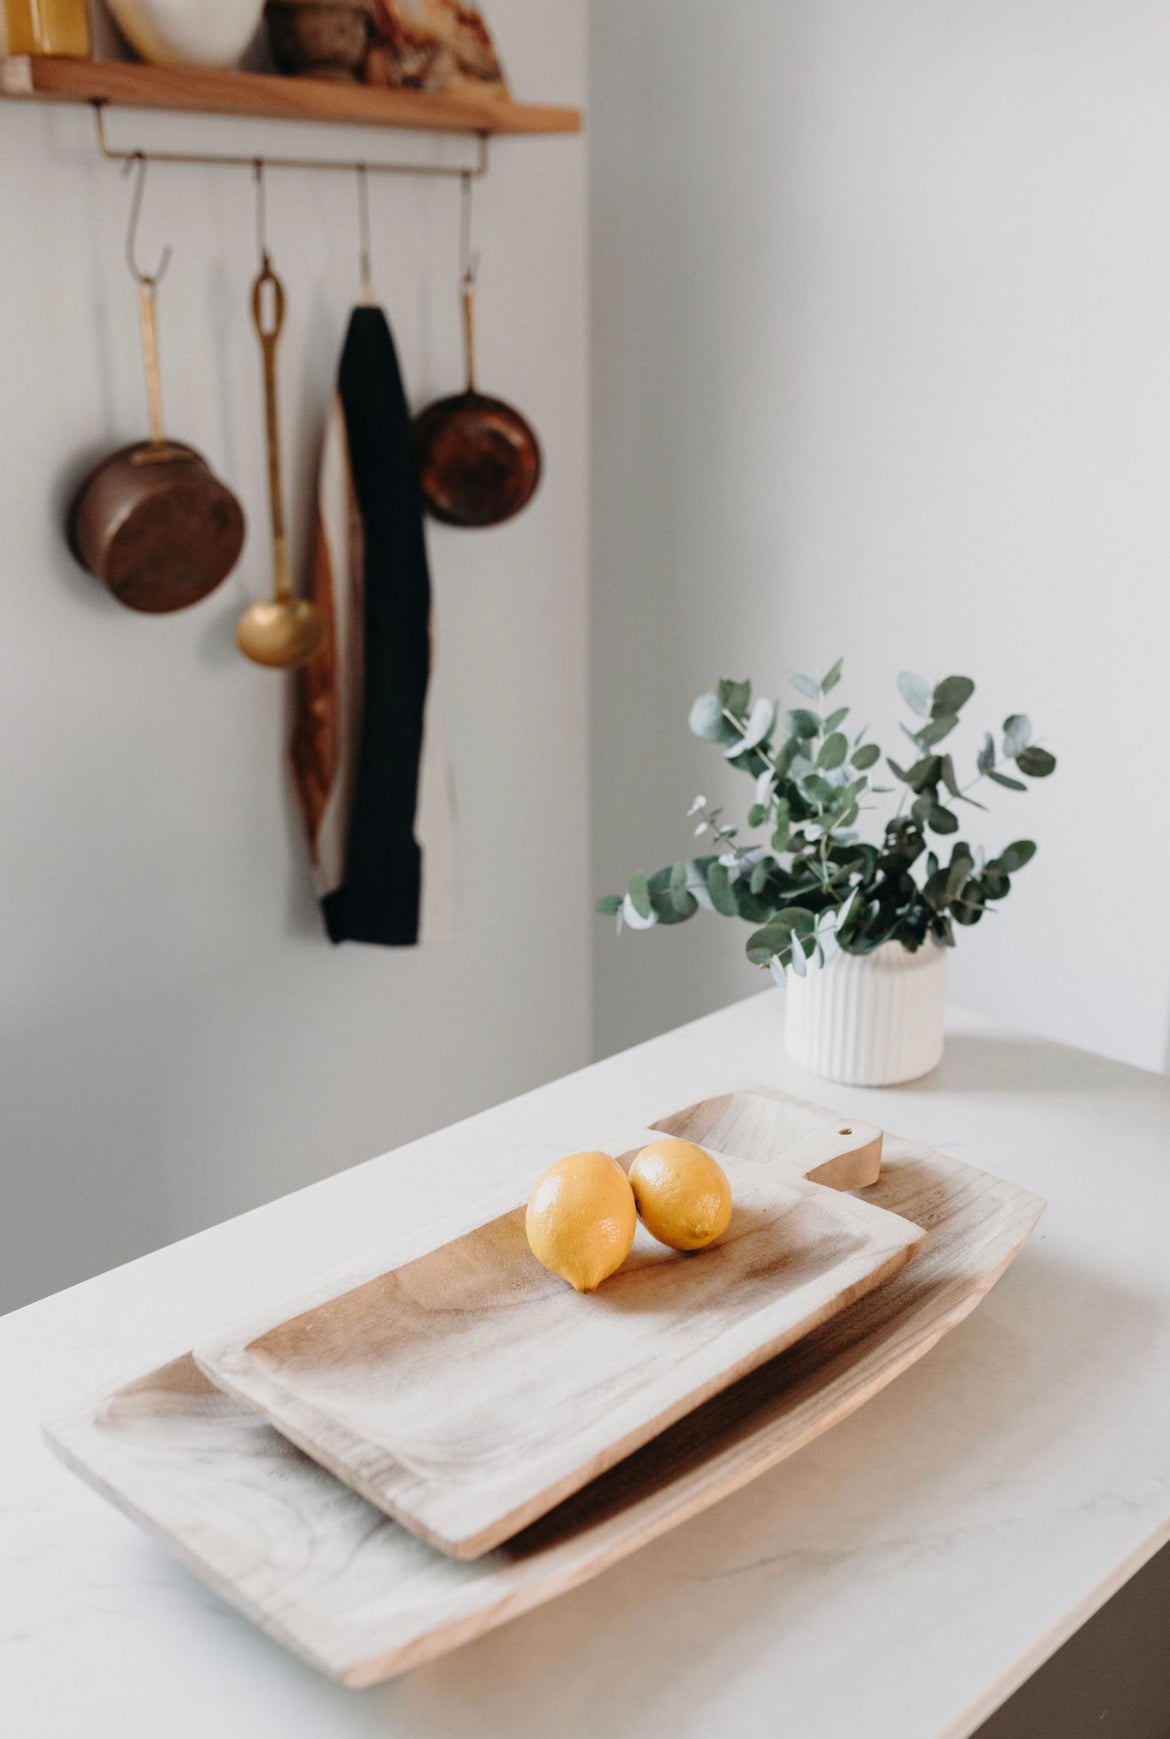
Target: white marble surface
column 897, row 1579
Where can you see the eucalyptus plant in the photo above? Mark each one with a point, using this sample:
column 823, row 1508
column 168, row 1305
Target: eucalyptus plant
column 816, row 880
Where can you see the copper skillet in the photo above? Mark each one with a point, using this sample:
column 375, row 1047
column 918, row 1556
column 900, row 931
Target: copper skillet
column 152, row 521
column 478, row 458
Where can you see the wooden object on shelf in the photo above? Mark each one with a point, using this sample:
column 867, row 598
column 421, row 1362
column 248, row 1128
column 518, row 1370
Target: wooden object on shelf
column 465, row 1390
column 208, row 91
column 319, row 38
column 433, row 45
column 362, row 1600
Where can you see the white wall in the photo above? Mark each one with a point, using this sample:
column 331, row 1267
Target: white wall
column 179, row 1039
column 881, row 332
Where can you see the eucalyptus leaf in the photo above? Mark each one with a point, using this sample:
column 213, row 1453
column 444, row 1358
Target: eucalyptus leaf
column 706, row 718
column 684, row 901
column 942, row 820
column 940, row 726
column 865, row 756
column 819, row 789
column 1015, row 856
column 760, row 721
column 754, row 908
column 985, row 759
column 1017, row 734
column 735, row 697
column 720, row 889
column 1036, row 763
column 801, row 723
column 832, row 677
column 833, row 752
column 765, row 944
column 916, row 692
column 697, row 869
column 630, row 915
column 1006, row 780
column 836, row 719
column 962, row 863
column 925, row 772
column 639, row 895
column 609, row 904
column 951, row 695
column 805, row 685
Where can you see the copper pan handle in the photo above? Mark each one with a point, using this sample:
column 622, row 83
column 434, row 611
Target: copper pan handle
column 469, row 330
column 148, row 321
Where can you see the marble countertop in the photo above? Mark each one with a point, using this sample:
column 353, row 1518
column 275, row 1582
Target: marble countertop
column 898, row 1578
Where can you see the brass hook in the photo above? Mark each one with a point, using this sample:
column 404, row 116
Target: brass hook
column 364, row 229
column 144, row 280
column 468, row 256
column 261, row 214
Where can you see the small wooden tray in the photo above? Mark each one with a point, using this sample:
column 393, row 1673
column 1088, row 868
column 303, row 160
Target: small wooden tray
column 466, row 1391
column 362, row 1600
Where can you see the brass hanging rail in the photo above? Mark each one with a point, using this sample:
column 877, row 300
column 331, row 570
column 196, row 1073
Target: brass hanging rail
column 116, row 154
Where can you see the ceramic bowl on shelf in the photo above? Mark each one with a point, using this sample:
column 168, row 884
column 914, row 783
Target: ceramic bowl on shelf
column 320, row 38
column 211, row 33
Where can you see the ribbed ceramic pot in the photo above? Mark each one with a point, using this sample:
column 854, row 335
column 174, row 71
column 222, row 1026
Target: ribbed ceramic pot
column 869, row 1019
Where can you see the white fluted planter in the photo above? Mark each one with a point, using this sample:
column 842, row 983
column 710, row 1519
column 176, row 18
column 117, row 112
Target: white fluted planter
column 869, row 1019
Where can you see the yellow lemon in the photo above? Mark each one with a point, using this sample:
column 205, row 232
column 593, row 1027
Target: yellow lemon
column 683, row 1194
column 581, row 1219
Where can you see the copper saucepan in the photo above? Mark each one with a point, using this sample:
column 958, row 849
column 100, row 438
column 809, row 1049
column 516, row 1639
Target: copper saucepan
column 152, row 521
column 478, row 458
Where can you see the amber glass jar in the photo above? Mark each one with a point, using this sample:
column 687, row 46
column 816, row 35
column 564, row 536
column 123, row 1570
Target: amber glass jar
column 48, row 27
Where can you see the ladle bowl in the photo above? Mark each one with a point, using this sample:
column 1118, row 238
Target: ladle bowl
column 281, row 633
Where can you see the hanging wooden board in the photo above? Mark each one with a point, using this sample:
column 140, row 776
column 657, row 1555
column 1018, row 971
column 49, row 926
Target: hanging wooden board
column 361, row 1599
column 466, row 1391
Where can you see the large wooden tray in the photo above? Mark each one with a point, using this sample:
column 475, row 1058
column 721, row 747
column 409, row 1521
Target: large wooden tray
column 361, row 1599
column 466, row 1391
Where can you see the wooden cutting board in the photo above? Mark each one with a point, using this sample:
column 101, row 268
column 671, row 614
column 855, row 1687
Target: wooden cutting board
column 466, row 1391
column 361, row 1599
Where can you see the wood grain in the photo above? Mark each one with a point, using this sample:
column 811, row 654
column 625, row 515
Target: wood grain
column 363, row 1600
column 467, row 1391
column 55, row 78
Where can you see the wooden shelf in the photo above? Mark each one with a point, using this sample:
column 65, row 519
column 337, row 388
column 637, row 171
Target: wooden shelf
column 54, row 79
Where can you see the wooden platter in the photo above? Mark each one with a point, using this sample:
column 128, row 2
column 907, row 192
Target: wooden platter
column 361, row 1599
column 466, row 1391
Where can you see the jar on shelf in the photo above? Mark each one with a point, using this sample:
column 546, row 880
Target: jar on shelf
column 47, row 27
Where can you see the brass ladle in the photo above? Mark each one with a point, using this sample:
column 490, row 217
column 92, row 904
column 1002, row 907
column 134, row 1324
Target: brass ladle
column 285, row 631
